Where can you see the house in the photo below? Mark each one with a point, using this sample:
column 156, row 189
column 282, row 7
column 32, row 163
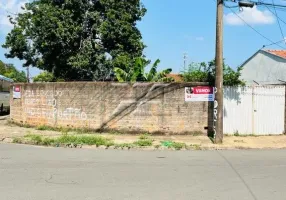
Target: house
column 5, row 83
column 4, row 94
column 265, row 67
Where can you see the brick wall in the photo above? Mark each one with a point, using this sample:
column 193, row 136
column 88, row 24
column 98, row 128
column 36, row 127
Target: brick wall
column 138, row 107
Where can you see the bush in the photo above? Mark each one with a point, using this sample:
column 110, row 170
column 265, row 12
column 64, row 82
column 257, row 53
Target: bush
column 144, row 143
column 178, row 146
column 17, row 140
column 88, row 140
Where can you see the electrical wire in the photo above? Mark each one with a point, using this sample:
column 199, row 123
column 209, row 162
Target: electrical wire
column 278, row 20
column 272, row 42
column 253, row 28
column 267, row 45
column 274, row 14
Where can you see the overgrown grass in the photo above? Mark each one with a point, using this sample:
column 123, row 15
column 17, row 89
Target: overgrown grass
column 178, row 146
column 175, row 145
column 196, row 146
column 124, row 145
column 145, row 136
column 17, row 140
column 79, row 140
column 43, row 128
column 87, row 140
column 48, row 141
column 69, row 139
column 144, row 143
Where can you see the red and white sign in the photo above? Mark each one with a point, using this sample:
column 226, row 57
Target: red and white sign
column 17, row 92
column 17, row 88
column 199, row 93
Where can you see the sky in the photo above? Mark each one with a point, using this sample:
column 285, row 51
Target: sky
column 171, row 28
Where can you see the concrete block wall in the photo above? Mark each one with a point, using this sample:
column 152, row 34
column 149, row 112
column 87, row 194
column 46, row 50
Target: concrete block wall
column 124, row 107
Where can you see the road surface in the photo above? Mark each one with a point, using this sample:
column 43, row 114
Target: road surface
column 37, row 173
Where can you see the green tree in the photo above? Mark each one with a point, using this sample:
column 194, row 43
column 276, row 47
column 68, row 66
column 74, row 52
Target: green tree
column 10, row 71
column 137, row 72
column 44, row 77
column 205, row 72
column 76, row 40
column 2, row 67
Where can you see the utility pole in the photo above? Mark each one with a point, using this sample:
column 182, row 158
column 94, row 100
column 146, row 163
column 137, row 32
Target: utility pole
column 185, row 61
column 28, row 74
column 218, row 104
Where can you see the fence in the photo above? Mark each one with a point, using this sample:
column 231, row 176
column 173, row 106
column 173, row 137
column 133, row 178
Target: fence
column 254, row 110
column 148, row 107
column 124, row 107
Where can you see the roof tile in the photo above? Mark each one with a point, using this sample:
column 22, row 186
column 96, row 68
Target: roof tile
column 176, row 77
column 279, row 53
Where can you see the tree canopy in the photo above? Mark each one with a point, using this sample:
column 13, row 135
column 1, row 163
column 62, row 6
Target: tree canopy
column 137, row 72
column 77, row 40
column 205, row 72
column 44, row 77
column 10, row 71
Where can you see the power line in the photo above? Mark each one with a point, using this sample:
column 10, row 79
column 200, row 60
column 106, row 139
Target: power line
column 274, row 14
column 253, row 28
column 278, row 21
column 274, row 43
column 258, row 3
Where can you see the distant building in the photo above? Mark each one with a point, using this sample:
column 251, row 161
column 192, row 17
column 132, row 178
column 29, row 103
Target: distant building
column 265, row 67
column 5, row 83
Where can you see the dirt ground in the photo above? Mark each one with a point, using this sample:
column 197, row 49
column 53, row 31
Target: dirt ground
column 9, row 131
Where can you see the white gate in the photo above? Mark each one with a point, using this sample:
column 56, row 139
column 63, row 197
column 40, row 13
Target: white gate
column 254, row 110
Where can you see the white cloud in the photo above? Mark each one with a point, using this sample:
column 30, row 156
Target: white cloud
column 9, row 7
column 251, row 16
column 192, row 38
column 200, row 38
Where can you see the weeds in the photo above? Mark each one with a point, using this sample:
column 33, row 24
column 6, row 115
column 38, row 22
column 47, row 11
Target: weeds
column 17, row 140
column 144, row 143
column 145, row 136
column 175, row 145
column 42, row 128
column 66, row 140
column 34, row 139
column 69, row 139
column 88, row 140
column 178, row 146
column 196, row 146
column 236, row 134
column 124, row 145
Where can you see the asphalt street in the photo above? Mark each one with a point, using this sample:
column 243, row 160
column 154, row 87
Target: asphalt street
column 38, row 173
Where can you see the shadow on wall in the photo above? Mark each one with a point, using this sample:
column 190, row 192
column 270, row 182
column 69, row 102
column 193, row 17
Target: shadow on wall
column 230, row 94
column 233, row 94
column 149, row 94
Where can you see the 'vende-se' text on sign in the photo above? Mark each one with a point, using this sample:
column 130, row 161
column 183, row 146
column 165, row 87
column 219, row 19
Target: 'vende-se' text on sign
column 199, row 93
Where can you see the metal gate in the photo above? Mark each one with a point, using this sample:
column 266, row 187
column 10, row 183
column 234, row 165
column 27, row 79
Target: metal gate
column 254, row 110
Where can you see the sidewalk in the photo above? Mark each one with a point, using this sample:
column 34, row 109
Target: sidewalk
column 10, row 131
